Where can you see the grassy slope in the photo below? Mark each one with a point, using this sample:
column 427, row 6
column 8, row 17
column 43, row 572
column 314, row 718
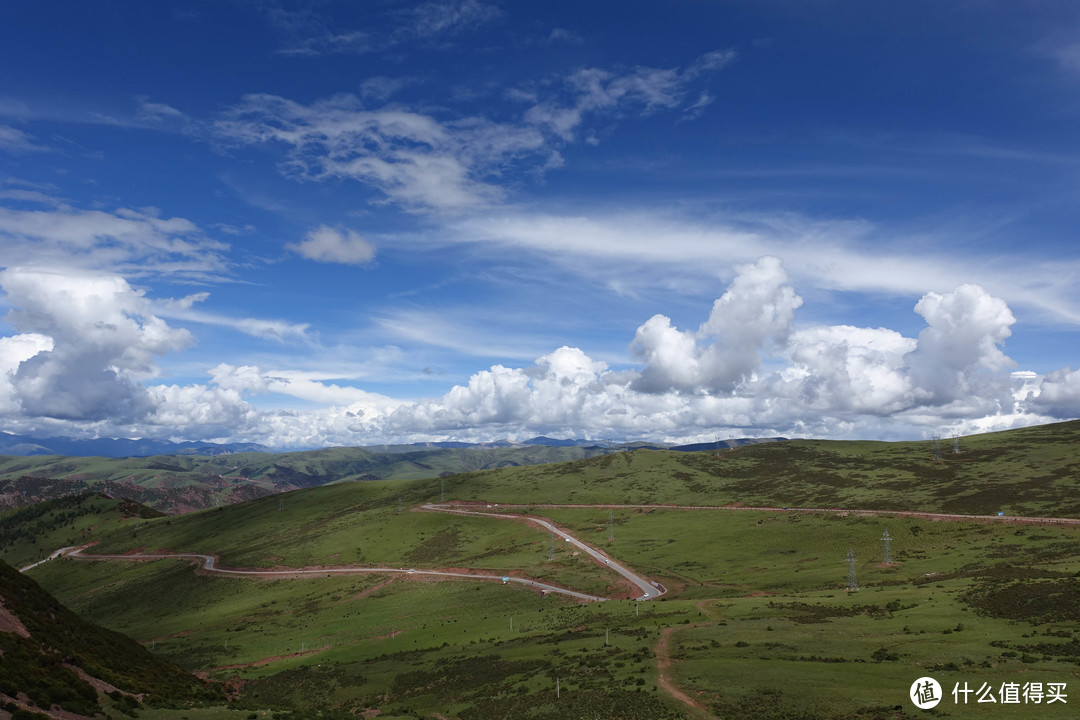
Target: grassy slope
column 41, row 665
column 31, row 533
column 760, row 622
column 1033, row 471
column 184, row 483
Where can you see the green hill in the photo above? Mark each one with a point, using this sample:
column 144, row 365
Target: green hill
column 178, row 484
column 1030, row 471
column 52, row 657
column 758, row 620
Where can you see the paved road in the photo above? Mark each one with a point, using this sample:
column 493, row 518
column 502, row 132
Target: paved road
column 55, row 554
column 649, row 591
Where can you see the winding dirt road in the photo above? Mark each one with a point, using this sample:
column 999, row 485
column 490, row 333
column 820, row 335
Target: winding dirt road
column 209, row 564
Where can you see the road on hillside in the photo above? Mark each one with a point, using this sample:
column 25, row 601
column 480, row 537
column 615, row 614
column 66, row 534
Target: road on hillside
column 1006, row 519
column 648, row 589
column 209, row 564
column 55, row 554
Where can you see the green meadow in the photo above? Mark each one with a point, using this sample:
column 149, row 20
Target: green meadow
column 758, row 620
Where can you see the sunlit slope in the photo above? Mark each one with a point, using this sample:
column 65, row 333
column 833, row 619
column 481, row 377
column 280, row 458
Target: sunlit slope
column 360, row 524
column 1032, row 471
column 31, row 533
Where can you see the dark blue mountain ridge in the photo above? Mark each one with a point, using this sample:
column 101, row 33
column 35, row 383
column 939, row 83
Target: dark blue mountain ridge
column 24, row 445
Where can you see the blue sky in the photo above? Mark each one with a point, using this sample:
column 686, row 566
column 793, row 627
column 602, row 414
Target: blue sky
column 321, row 223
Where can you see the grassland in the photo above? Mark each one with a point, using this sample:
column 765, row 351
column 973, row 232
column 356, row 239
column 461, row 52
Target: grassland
column 1031, row 471
column 758, row 621
column 182, row 483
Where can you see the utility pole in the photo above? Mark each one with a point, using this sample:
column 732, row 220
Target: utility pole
column 551, row 552
column 611, row 525
column 442, row 489
column 851, row 583
column 398, row 504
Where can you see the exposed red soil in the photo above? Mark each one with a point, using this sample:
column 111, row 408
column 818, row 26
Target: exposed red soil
column 10, row 623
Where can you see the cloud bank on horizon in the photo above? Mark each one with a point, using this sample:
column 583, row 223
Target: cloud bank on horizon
column 473, row 221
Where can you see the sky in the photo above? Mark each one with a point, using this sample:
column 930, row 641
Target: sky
column 320, row 223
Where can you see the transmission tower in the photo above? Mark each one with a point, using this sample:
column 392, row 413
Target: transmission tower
column 956, row 444
column 611, row 525
column 551, row 552
column 852, row 584
column 937, row 449
column 398, row 504
column 888, row 550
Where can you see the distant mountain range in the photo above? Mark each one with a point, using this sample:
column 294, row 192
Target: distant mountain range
column 27, row 446
column 24, row 445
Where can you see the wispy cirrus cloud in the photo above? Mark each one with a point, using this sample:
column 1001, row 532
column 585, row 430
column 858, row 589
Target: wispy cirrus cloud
column 310, row 30
column 425, row 163
column 13, row 140
column 133, row 242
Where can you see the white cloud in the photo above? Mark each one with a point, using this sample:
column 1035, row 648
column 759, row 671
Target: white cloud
column 959, row 348
column 14, row 140
column 103, row 344
column 411, row 158
column 334, row 245
column 423, row 163
column 752, row 318
column 435, row 19
column 132, row 242
column 593, row 90
column 13, row 351
column 87, row 345
column 1057, row 395
column 276, row 330
column 625, row 250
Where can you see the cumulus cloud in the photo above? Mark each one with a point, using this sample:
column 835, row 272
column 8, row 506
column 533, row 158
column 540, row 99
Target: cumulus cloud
column 1057, row 394
column 87, row 343
column 960, row 345
column 754, row 315
column 334, row 245
column 103, row 343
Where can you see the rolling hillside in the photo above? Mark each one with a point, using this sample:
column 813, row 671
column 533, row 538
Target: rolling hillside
column 178, row 484
column 51, row 659
column 764, row 614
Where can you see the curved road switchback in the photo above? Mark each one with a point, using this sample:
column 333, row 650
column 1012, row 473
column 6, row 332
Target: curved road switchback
column 649, row 591
column 209, row 564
